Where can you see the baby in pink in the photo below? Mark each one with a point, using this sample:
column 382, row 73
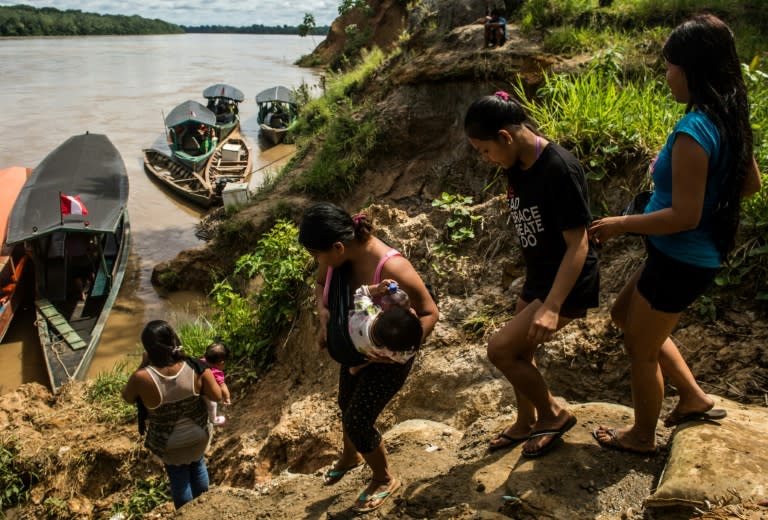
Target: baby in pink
column 215, row 357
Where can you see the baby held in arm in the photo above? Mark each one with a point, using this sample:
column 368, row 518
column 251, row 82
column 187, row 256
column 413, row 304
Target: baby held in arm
column 383, row 326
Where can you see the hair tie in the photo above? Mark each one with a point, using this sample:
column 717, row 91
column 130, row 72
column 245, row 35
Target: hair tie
column 177, row 349
column 358, row 218
column 501, row 95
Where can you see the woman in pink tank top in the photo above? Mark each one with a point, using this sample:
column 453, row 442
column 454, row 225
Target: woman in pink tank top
column 348, row 256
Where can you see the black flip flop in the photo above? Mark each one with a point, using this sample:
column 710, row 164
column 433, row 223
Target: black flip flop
column 713, row 415
column 556, row 433
column 511, row 444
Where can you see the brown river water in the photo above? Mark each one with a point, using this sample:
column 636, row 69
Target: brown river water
column 53, row 88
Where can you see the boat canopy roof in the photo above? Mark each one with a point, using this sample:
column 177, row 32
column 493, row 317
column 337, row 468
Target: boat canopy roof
column 190, row 111
column 222, row 90
column 87, row 166
column 283, row 94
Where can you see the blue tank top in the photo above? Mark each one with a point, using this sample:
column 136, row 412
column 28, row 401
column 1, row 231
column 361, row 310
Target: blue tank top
column 695, row 246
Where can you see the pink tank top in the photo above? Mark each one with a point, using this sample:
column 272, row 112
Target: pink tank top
column 376, row 275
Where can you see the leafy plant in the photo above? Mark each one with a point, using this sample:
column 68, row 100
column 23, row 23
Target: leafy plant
column 249, row 325
column 460, row 223
column 147, row 495
column 14, row 481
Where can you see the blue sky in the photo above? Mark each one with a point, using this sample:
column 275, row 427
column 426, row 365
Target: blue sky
column 204, row 12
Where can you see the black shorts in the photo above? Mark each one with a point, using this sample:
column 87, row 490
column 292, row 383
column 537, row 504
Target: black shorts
column 670, row 285
column 584, row 295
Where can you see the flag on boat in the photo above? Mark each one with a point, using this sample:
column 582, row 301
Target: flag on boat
column 72, row 205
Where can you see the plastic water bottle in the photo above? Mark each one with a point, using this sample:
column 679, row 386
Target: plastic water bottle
column 394, row 296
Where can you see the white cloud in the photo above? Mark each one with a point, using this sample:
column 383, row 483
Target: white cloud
column 236, row 13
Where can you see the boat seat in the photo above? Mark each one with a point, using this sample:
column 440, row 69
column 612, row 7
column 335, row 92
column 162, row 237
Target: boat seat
column 65, row 330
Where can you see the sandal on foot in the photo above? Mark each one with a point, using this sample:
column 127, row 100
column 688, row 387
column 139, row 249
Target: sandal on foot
column 712, row 415
column 333, row 475
column 613, row 443
column 367, row 503
column 555, row 434
column 503, row 441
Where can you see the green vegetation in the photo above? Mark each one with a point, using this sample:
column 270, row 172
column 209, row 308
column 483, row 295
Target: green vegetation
column 104, row 394
column 147, row 494
column 24, row 20
column 574, row 21
column 14, row 480
column 272, row 275
column 349, row 129
column 262, row 29
column 460, row 226
column 605, row 120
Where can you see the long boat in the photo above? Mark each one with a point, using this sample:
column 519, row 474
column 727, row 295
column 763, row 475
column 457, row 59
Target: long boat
column 14, row 271
column 230, row 162
column 223, row 101
column 71, row 215
column 191, row 134
column 277, row 113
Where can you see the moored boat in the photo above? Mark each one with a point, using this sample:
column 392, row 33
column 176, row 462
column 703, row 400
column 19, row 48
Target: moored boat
column 223, row 101
column 277, row 113
column 178, row 178
column 71, row 215
column 191, row 135
column 230, row 162
column 14, row 272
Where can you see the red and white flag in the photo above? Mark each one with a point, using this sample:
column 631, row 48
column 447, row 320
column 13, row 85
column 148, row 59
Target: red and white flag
column 72, row 205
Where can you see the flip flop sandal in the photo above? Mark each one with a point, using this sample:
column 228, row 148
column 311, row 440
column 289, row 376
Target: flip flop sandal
column 613, row 443
column 510, row 442
column 715, row 414
column 380, row 497
column 556, row 434
column 333, row 475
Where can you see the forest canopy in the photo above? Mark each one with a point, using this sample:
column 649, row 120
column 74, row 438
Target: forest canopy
column 25, row 20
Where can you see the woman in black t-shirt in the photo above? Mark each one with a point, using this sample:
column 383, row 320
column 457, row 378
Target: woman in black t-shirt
column 548, row 199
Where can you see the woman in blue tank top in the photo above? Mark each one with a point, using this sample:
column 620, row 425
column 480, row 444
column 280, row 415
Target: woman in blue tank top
column 700, row 175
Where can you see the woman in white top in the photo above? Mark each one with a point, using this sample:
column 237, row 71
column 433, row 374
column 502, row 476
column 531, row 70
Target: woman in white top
column 170, row 387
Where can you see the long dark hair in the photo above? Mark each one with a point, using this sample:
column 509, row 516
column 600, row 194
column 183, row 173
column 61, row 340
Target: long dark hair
column 162, row 344
column 324, row 224
column 705, row 49
column 489, row 114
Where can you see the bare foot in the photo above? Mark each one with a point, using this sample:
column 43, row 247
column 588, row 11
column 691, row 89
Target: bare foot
column 622, row 440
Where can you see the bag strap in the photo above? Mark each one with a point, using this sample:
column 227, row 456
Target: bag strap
column 387, row 256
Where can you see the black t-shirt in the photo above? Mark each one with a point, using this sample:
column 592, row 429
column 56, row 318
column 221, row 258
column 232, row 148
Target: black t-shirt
column 545, row 200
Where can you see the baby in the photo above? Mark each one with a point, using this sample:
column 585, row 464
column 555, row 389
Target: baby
column 385, row 333
column 215, row 356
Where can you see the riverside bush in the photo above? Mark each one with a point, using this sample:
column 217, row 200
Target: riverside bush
column 349, row 132
column 250, row 324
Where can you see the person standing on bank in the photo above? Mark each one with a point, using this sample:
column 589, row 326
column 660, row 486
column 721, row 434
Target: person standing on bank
column 170, row 387
column 700, row 175
column 548, row 199
column 348, row 256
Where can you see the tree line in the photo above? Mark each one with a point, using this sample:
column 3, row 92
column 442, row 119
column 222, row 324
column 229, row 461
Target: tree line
column 25, row 20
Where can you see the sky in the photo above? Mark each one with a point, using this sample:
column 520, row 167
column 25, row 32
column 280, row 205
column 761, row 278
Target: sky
column 237, row 13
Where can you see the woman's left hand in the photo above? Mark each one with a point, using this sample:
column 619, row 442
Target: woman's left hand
column 543, row 325
column 604, row 229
